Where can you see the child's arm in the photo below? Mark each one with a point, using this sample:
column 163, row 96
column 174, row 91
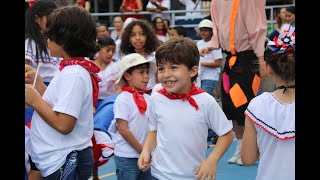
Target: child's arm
column 249, row 151
column 208, row 167
column 140, row 6
column 149, row 145
column 61, row 122
column 213, row 64
column 127, row 134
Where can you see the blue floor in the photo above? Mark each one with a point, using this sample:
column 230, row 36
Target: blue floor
column 225, row 170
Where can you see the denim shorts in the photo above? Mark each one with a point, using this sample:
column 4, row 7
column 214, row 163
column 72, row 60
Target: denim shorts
column 208, row 86
column 83, row 170
column 127, row 169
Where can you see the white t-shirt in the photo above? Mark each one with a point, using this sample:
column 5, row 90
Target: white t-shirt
column 69, row 92
column 27, row 148
column 182, row 133
column 207, row 72
column 277, row 156
column 125, row 108
column 190, row 6
column 116, row 55
column 164, row 3
column 107, row 86
column 152, row 76
column 47, row 70
column 114, row 36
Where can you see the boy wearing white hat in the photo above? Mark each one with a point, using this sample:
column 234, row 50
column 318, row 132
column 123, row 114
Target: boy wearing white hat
column 130, row 125
column 209, row 65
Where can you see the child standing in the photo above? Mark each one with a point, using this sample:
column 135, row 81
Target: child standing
column 108, row 69
column 108, row 74
column 270, row 135
column 36, row 51
column 138, row 37
column 131, row 120
column 184, row 133
column 209, row 64
column 62, row 125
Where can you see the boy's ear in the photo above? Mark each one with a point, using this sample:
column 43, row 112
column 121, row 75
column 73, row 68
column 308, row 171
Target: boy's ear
column 127, row 76
column 194, row 71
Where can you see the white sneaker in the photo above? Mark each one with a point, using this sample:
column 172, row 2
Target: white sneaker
column 234, row 159
column 239, row 162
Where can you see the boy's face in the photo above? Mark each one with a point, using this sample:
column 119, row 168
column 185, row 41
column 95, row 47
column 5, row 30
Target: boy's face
column 205, row 33
column 55, row 49
column 176, row 78
column 173, row 33
column 138, row 79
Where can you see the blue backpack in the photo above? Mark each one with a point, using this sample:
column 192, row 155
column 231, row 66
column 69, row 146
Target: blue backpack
column 104, row 114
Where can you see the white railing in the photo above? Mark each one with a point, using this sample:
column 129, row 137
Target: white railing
column 174, row 17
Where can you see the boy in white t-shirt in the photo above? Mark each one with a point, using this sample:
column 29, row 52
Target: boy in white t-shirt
column 130, row 125
column 180, row 115
column 62, row 124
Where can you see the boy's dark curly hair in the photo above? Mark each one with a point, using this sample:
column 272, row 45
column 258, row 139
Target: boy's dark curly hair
column 74, row 29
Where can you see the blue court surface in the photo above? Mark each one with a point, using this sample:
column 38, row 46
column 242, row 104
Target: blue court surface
column 225, row 170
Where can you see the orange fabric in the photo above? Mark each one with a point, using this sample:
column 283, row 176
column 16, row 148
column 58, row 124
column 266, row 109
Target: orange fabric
column 232, row 25
column 232, row 60
column 237, row 95
column 255, row 84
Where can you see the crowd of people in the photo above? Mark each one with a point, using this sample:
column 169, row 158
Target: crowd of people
column 149, row 72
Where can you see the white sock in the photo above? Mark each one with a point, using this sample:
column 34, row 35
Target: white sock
column 238, row 148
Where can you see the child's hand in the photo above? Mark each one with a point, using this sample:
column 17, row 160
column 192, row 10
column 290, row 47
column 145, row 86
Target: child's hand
column 31, row 95
column 30, row 73
column 144, row 161
column 206, row 170
column 154, row 2
column 94, row 110
column 205, row 51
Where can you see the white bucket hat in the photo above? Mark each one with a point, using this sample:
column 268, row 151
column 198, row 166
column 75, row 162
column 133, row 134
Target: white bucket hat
column 204, row 23
column 128, row 21
column 132, row 60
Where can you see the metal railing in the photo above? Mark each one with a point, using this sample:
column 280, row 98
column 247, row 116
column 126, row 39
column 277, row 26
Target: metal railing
column 173, row 18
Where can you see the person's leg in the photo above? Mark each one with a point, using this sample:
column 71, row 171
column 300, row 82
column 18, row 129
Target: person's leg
column 244, row 82
column 126, row 168
column 54, row 176
column 146, row 175
column 85, row 163
column 238, row 130
column 34, row 175
column 95, row 175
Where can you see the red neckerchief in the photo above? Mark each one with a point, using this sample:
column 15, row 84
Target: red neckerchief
column 92, row 69
column 82, row 3
column 193, row 91
column 138, row 97
column 160, row 32
column 31, row 2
